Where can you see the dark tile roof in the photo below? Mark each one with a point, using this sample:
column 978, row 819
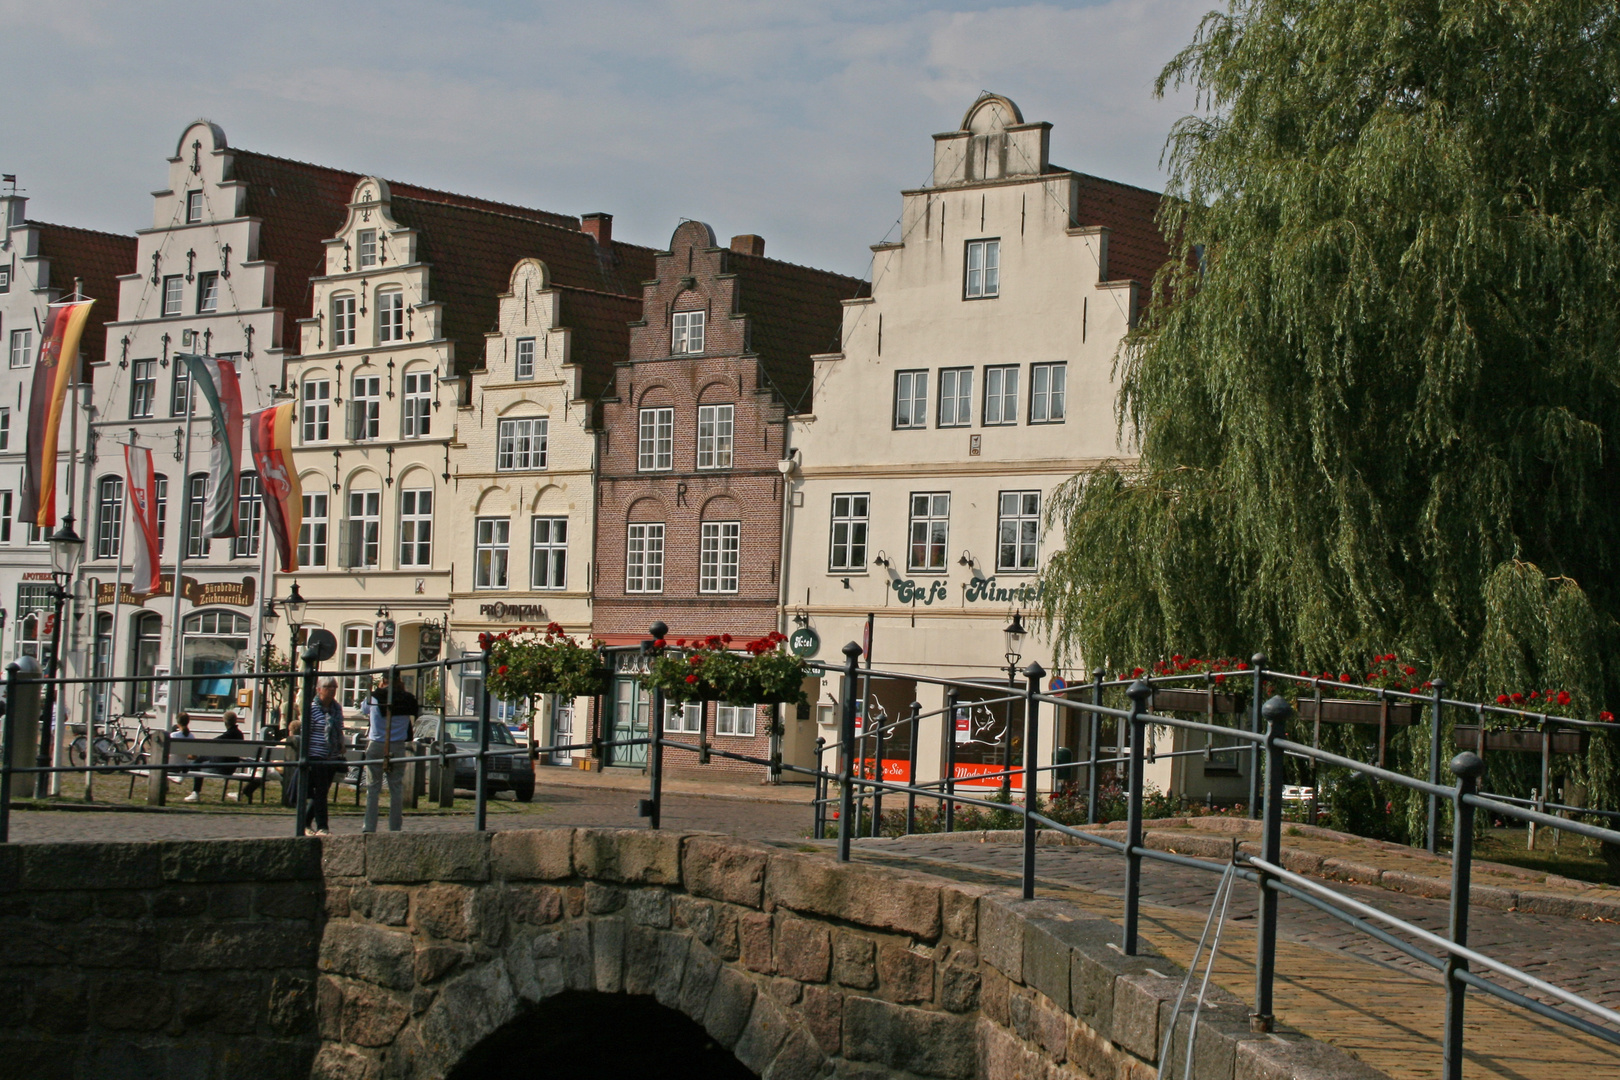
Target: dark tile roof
column 1136, row 247
column 304, row 204
column 472, row 251
column 97, row 257
column 794, row 312
column 601, row 333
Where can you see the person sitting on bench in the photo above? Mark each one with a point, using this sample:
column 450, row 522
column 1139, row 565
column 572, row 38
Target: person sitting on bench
column 225, row 766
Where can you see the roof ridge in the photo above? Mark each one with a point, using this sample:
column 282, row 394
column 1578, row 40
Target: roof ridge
column 81, row 229
column 516, row 217
column 768, row 261
column 1112, row 183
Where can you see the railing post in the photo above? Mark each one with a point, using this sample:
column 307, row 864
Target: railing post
column 1433, row 835
column 1276, row 713
column 911, row 770
column 950, row 760
column 1468, row 767
column 1035, row 673
column 311, row 668
column 1096, row 734
column 481, row 764
column 1258, row 661
column 1138, row 692
column 877, row 757
column 820, row 815
column 655, row 749
column 20, row 717
column 846, row 736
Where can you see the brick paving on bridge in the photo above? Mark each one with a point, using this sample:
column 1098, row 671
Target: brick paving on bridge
column 1333, row 982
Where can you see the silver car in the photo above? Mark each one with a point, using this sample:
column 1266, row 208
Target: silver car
column 512, row 772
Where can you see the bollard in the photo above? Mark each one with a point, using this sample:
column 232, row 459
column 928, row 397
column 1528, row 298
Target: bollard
column 1035, row 673
column 480, row 782
column 1259, row 661
column 157, row 780
column 21, row 729
column 846, row 734
column 911, row 771
column 414, row 778
column 1433, row 834
column 1468, row 767
column 950, row 760
column 820, row 816
column 1276, row 713
column 1138, row 692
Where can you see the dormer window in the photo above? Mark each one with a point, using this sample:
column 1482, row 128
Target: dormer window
column 687, row 332
column 342, row 320
column 193, row 207
column 365, row 246
column 525, row 358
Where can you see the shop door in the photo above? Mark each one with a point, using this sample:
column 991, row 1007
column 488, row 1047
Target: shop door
column 630, row 709
column 562, row 729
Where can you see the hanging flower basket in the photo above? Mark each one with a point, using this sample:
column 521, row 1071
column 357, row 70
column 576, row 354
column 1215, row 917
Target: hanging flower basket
column 709, row 669
column 524, row 663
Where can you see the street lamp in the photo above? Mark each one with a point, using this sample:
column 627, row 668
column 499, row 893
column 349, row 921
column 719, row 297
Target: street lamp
column 67, row 548
column 268, row 617
column 1014, row 633
column 294, row 606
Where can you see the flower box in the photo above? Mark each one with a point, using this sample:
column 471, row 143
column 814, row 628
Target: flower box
column 1199, row 701
column 1349, row 711
column 1522, row 740
column 709, row 670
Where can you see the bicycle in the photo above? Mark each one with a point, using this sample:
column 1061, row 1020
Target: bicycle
column 113, row 746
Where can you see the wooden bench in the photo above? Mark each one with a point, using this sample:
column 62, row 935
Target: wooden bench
column 249, row 760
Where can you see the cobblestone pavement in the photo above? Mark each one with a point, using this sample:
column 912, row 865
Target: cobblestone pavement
column 1337, row 984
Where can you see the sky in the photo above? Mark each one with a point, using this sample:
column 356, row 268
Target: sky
column 800, row 122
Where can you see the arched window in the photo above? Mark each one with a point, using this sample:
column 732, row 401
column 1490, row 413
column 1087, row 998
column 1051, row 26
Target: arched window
column 215, row 644
column 109, row 516
column 145, row 646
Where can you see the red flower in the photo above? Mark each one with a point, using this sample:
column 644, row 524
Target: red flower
column 1606, row 716
column 1220, row 679
column 1344, row 678
column 501, row 670
column 1136, row 673
column 660, row 643
column 1501, row 699
column 726, row 638
column 1518, row 699
column 680, row 643
column 691, row 679
column 1532, row 695
column 1243, row 665
column 1563, row 697
column 1409, row 670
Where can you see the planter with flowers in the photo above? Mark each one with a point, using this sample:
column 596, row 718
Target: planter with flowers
column 1225, row 683
column 711, row 669
column 1387, row 672
column 525, row 663
column 1548, row 737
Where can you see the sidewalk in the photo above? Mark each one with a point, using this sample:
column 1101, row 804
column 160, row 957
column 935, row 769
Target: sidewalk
column 619, row 779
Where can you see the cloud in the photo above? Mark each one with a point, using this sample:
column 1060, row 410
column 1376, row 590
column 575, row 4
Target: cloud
column 800, row 122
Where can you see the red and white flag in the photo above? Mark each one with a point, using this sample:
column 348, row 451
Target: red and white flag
column 144, row 516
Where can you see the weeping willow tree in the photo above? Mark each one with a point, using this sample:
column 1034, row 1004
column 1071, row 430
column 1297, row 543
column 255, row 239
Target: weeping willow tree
column 1376, row 394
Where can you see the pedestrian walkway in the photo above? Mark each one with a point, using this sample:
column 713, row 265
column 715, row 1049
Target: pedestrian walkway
column 1332, row 982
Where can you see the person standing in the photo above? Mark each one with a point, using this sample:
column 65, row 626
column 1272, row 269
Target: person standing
column 392, row 711
column 325, row 753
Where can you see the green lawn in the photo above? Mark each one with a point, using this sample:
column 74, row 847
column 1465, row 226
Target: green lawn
column 1574, row 856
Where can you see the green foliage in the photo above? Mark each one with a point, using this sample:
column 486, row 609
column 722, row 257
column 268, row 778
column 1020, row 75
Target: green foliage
column 709, row 669
column 525, row 663
column 1375, row 395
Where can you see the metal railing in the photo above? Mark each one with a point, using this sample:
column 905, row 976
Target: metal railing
column 1266, row 739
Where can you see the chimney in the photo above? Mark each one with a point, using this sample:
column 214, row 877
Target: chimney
column 598, row 227
column 748, row 244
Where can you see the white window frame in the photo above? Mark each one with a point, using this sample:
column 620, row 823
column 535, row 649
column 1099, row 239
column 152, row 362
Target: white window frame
column 363, row 547
column 179, row 389
column 1018, row 532
column 523, row 359
column 5, row 517
column 365, row 408
column 1000, row 396
column 109, row 517
column 22, row 347
column 736, row 721
column 5, row 429
column 142, row 389
column 686, row 332
column 207, row 292
column 981, row 270
column 344, row 320
column 850, row 529
column 365, row 248
column 358, row 640
column 418, row 421
column 655, row 448
column 930, row 512
column 644, row 557
column 196, row 533
column 685, row 718
column 162, row 486
column 249, row 516
column 416, row 527
column 390, row 316
column 520, row 443
column 492, row 552
column 1048, row 393
column 719, row 547
column 911, row 399
column 194, row 207
column 174, row 295
column 316, row 410
column 955, row 407
column 548, row 552
column 716, row 430
column 312, row 531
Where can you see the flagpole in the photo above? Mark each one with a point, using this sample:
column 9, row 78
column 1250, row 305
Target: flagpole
column 112, row 642
column 161, row 781
column 266, row 591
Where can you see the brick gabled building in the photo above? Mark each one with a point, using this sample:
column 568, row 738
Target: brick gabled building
column 689, row 499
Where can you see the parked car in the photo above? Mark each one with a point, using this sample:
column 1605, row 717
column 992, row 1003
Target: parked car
column 512, row 772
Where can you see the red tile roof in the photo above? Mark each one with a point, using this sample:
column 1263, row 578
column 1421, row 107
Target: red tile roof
column 601, row 333
column 303, row 204
column 794, row 312
column 1136, row 248
column 96, row 257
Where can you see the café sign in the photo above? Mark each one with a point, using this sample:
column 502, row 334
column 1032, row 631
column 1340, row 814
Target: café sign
column 975, row 591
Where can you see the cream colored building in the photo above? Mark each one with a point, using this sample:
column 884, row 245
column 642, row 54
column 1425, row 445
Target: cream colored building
column 521, row 505
column 975, row 380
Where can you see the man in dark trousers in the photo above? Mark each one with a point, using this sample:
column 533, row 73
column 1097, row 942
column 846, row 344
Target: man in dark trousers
column 225, row 765
column 325, row 753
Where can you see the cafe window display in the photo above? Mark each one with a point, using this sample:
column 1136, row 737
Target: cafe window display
column 215, row 645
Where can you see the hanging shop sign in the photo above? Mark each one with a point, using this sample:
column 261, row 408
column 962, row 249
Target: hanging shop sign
column 383, row 635
column 428, row 641
column 199, row 593
column 804, row 642
column 975, row 591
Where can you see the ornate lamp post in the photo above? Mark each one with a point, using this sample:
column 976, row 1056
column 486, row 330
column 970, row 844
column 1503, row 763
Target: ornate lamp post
column 268, row 617
column 67, row 548
column 293, row 606
column 1014, row 634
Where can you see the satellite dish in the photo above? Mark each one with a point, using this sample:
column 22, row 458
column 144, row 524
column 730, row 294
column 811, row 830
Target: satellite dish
column 319, row 645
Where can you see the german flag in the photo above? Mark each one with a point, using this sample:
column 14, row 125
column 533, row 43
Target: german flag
column 270, row 433
column 53, row 372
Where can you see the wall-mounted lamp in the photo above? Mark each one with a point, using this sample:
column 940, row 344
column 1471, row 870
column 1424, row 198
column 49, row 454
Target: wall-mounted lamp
column 799, row 618
column 966, row 559
column 881, row 558
column 382, row 612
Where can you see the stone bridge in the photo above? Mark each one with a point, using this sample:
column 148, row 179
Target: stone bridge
column 434, row 955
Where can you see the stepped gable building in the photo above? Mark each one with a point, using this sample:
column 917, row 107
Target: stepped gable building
column 975, row 380
column 225, row 269
column 694, row 451
column 39, row 265
column 428, row 443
